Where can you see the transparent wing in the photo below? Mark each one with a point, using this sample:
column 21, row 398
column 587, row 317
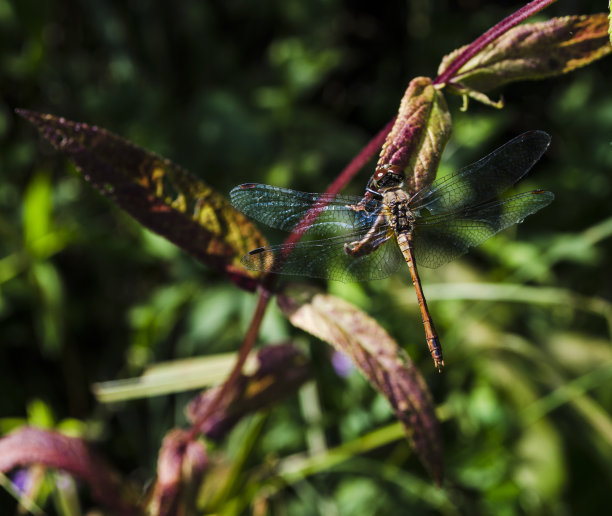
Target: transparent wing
column 282, row 208
column 321, row 252
column 442, row 238
column 483, row 180
column 326, row 258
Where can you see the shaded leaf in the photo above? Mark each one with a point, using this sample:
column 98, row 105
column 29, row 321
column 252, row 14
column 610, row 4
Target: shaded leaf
column 280, row 371
column 420, row 133
column 532, row 51
column 180, row 469
column 157, row 193
column 29, row 446
column 378, row 356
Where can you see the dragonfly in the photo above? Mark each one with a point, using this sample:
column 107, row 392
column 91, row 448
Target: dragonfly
column 364, row 238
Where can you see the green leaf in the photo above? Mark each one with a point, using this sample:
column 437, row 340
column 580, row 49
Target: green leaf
column 532, row 51
column 420, row 133
column 540, row 468
column 160, row 195
column 167, row 377
column 37, row 211
column 385, row 365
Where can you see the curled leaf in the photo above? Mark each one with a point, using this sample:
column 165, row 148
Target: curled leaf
column 280, row 371
column 180, row 468
column 29, row 446
column 381, row 360
column 420, row 133
column 157, row 193
column 532, row 51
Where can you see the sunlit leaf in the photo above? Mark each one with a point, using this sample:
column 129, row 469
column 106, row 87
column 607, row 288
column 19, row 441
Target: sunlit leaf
column 420, row 133
column 37, row 211
column 160, row 195
column 381, row 360
column 280, row 371
column 532, row 51
column 610, row 18
column 180, row 469
column 30, row 446
column 168, row 377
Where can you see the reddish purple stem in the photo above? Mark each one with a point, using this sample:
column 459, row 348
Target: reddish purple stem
column 345, row 176
column 493, row 33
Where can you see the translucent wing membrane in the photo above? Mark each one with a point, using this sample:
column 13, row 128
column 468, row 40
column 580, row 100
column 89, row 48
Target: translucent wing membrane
column 326, row 258
column 320, row 253
column 484, row 180
column 442, row 238
column 282, row 208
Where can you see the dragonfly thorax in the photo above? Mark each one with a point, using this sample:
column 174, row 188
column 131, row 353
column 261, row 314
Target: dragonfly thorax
column 399, row 214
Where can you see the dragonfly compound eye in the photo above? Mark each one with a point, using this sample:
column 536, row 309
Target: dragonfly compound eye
column 378, row 176
column 387, row 176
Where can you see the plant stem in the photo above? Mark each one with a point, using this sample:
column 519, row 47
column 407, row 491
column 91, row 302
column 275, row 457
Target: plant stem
column 247, row 345
column 343, row 178
column 493, row 33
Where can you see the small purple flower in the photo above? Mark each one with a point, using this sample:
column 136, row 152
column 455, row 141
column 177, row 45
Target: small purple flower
column 22, row 479
column 343, row 365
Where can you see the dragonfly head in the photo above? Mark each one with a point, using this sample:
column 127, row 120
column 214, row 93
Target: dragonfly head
column 386, row 177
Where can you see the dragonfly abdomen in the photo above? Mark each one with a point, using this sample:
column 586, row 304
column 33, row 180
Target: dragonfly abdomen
column 433, row 342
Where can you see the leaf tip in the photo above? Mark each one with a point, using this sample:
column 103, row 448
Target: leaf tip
column 24, row 113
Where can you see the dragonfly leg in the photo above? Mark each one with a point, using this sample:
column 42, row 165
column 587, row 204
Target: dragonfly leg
column 370, row 242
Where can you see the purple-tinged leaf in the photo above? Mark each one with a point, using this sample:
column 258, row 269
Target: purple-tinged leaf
column 280, row 371
column 180, row 470
column 29, row 446
column 531, row 51
column 381, row 360
column 420, row 133
column 157, row 193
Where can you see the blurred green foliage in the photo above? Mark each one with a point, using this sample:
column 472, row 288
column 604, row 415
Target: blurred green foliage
column 287, row 93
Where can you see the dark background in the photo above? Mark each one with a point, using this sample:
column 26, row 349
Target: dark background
column 287, row 93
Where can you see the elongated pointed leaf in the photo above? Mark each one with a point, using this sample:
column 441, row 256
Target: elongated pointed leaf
column 610, row 19
column 280, row 371
column 420, row 133
column 381, row 360
column 160, row 195
column 533, row 51
column 29, row 446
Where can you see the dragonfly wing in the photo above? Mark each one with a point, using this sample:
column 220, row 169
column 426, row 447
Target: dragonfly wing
column 282, row 208
column 326, row 258
column 440, row 239
column 320, row 253
column 484, row 180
